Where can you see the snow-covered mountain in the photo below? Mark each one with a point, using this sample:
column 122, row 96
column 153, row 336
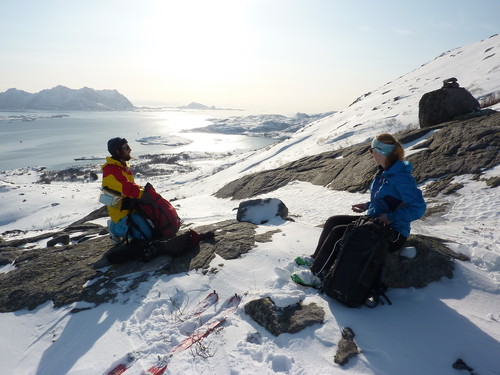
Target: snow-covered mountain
column 62, row 98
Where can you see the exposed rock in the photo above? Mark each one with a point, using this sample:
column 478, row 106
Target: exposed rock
column 263, row 311
column 489, row 99
column 462, row 147
column 443, row 185
column 88, row 230
column 434, row 260
column 267, row 236
column 254, row 338
column 346, row 348
column 61, row 273
column 459, row 147
column 459, row 364
column 73, row 174
column 290, row 319
column 445, row 104
column 493, row 181
column 8, row 255
column 56, row 274
column 63, row 239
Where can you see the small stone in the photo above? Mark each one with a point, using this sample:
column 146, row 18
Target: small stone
column 346, row 348
column 62, row 239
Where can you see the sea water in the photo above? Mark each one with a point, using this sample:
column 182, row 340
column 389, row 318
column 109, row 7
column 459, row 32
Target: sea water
column 58, row 140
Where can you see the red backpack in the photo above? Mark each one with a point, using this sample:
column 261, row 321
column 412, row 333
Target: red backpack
column 158, row 212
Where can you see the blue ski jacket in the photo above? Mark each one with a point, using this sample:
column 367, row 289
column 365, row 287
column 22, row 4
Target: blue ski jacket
column 394, row 192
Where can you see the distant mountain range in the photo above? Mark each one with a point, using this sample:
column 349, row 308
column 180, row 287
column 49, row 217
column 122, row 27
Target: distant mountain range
column 62, row 98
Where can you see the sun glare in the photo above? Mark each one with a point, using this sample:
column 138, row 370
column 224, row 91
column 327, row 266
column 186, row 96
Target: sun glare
column 196, row 40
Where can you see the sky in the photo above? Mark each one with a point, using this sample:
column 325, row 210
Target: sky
column 282, row 56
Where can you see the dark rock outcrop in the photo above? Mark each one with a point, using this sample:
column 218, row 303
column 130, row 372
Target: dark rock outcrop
column 290, row 319
column 445, row 104
column 60, row 273
column 433, row 261
column 63, row 239
column 458, row 147
column 461, row 147
column 459, row 364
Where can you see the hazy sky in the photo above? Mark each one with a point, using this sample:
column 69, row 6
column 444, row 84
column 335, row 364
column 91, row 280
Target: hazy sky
column 283, row 56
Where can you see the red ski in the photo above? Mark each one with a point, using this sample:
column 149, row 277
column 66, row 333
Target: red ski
column 119, row 369
column 199, row 334
column 195, row 312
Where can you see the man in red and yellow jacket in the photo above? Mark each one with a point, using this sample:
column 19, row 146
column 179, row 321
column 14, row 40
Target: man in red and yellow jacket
column 117, row 178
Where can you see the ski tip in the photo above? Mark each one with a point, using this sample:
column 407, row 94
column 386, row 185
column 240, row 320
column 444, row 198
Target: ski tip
column 117, row 370
column 155, row 370
column 235, row 300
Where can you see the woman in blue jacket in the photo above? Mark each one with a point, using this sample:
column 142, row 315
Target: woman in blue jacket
column 395, row 199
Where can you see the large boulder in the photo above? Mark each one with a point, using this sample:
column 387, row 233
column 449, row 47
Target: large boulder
column 260, row 211
column 432, row 260
column 445, row 104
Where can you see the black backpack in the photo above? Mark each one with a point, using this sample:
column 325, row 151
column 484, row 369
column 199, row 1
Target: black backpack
column 355, row 276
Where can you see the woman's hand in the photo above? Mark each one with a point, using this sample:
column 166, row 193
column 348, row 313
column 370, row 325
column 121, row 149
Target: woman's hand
column 360, row 207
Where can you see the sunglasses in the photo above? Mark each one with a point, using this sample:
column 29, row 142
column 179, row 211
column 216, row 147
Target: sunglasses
column 126, row 148
column 372, row 149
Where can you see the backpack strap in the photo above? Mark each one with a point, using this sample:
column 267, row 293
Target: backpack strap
column 332, row 253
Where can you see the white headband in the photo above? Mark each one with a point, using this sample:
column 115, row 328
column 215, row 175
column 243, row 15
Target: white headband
column 382, row 148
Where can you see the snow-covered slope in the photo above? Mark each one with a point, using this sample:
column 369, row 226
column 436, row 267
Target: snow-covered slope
column 390, row 108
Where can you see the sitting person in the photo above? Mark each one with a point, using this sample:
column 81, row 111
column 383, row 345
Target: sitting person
column 126, row 223
column 394, row 199
column 118, row 179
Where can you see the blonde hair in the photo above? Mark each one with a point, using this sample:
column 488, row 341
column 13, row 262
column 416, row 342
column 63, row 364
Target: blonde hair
column 398, row 153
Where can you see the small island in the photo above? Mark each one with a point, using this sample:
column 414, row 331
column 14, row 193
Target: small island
column 199, row 106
